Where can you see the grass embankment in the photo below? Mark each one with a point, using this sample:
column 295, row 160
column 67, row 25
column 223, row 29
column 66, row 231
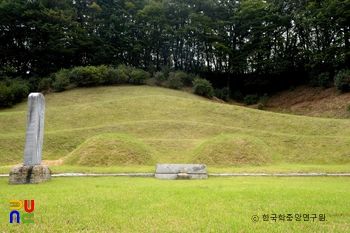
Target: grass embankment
column 212, row 205
column 117, row 150
column 167, row 126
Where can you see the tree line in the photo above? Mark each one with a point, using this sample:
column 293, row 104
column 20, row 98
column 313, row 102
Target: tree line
column 246, row 45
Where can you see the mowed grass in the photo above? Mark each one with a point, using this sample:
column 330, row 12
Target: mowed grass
column 117, row 150
column 117, row 204
column 169, row 126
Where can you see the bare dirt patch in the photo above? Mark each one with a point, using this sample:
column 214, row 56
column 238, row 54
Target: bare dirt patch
column 52, row 162
column 309, row 101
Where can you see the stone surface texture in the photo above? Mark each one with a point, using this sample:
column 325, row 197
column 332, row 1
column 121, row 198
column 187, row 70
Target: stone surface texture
column 29, row 174
column 171, row 171
column 35, row 129
column 176, row 168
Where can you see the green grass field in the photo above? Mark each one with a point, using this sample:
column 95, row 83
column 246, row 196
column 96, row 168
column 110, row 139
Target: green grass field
column 131, row 128
column 118, row 129
column 116, row 204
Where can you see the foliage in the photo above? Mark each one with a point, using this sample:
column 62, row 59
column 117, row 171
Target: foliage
column 126, row 69
column 203, row 87
column 185, row 78
column 138, row 76
column 238, row 96
column 263, row 101
column 342, row 80
column 6, row 95
column 20, row 89
column 12, row 91
column 45, row 85
column 255, row 44
column 251, row 99
column 7, row 70
column 175, row 80
column 159, row 77
column 103, row 72
column 90, row 76
column 74, row 74
column 116, row 76
column 322, row 79
column 166, row 71
column 62, row 80
column 223, row 93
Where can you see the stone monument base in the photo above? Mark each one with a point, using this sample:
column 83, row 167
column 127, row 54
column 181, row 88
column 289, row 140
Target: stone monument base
column 30, row 174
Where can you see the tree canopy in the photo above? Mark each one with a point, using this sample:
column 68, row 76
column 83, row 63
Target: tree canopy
column 252, row 44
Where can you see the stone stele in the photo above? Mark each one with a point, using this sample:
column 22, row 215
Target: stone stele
column 35, row 129
column 32, row 172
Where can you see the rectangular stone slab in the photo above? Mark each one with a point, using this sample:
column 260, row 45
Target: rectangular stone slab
column 175, row 168
column 35, row 129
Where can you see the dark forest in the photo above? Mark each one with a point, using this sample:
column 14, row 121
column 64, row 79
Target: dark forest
column 250, row 45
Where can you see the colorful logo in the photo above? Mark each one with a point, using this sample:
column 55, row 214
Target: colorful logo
column 27, row 217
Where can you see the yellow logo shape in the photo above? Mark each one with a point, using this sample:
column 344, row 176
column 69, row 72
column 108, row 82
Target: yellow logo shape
column 16, row 204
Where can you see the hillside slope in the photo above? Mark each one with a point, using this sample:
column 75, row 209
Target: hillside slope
column 316, row 102
column 172, row 127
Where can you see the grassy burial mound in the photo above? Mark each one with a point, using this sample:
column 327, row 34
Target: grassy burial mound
column 111, row 150
column 233, row 150
column 169, row 126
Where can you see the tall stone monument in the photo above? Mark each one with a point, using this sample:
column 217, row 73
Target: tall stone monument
column 32, row 172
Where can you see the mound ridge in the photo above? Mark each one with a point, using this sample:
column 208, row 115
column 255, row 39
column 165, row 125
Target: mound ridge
column 233, row 150
column 111, row 149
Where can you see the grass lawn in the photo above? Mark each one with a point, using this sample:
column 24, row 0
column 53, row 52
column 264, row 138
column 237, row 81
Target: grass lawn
column 121, row 204
column 131, row 128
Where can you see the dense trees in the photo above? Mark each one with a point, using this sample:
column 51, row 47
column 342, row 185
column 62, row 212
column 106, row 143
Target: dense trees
column 249, row 45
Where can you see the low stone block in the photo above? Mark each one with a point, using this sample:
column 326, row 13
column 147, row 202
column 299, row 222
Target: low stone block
column 172, row 171
column 29, row 174
column 175, row 168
